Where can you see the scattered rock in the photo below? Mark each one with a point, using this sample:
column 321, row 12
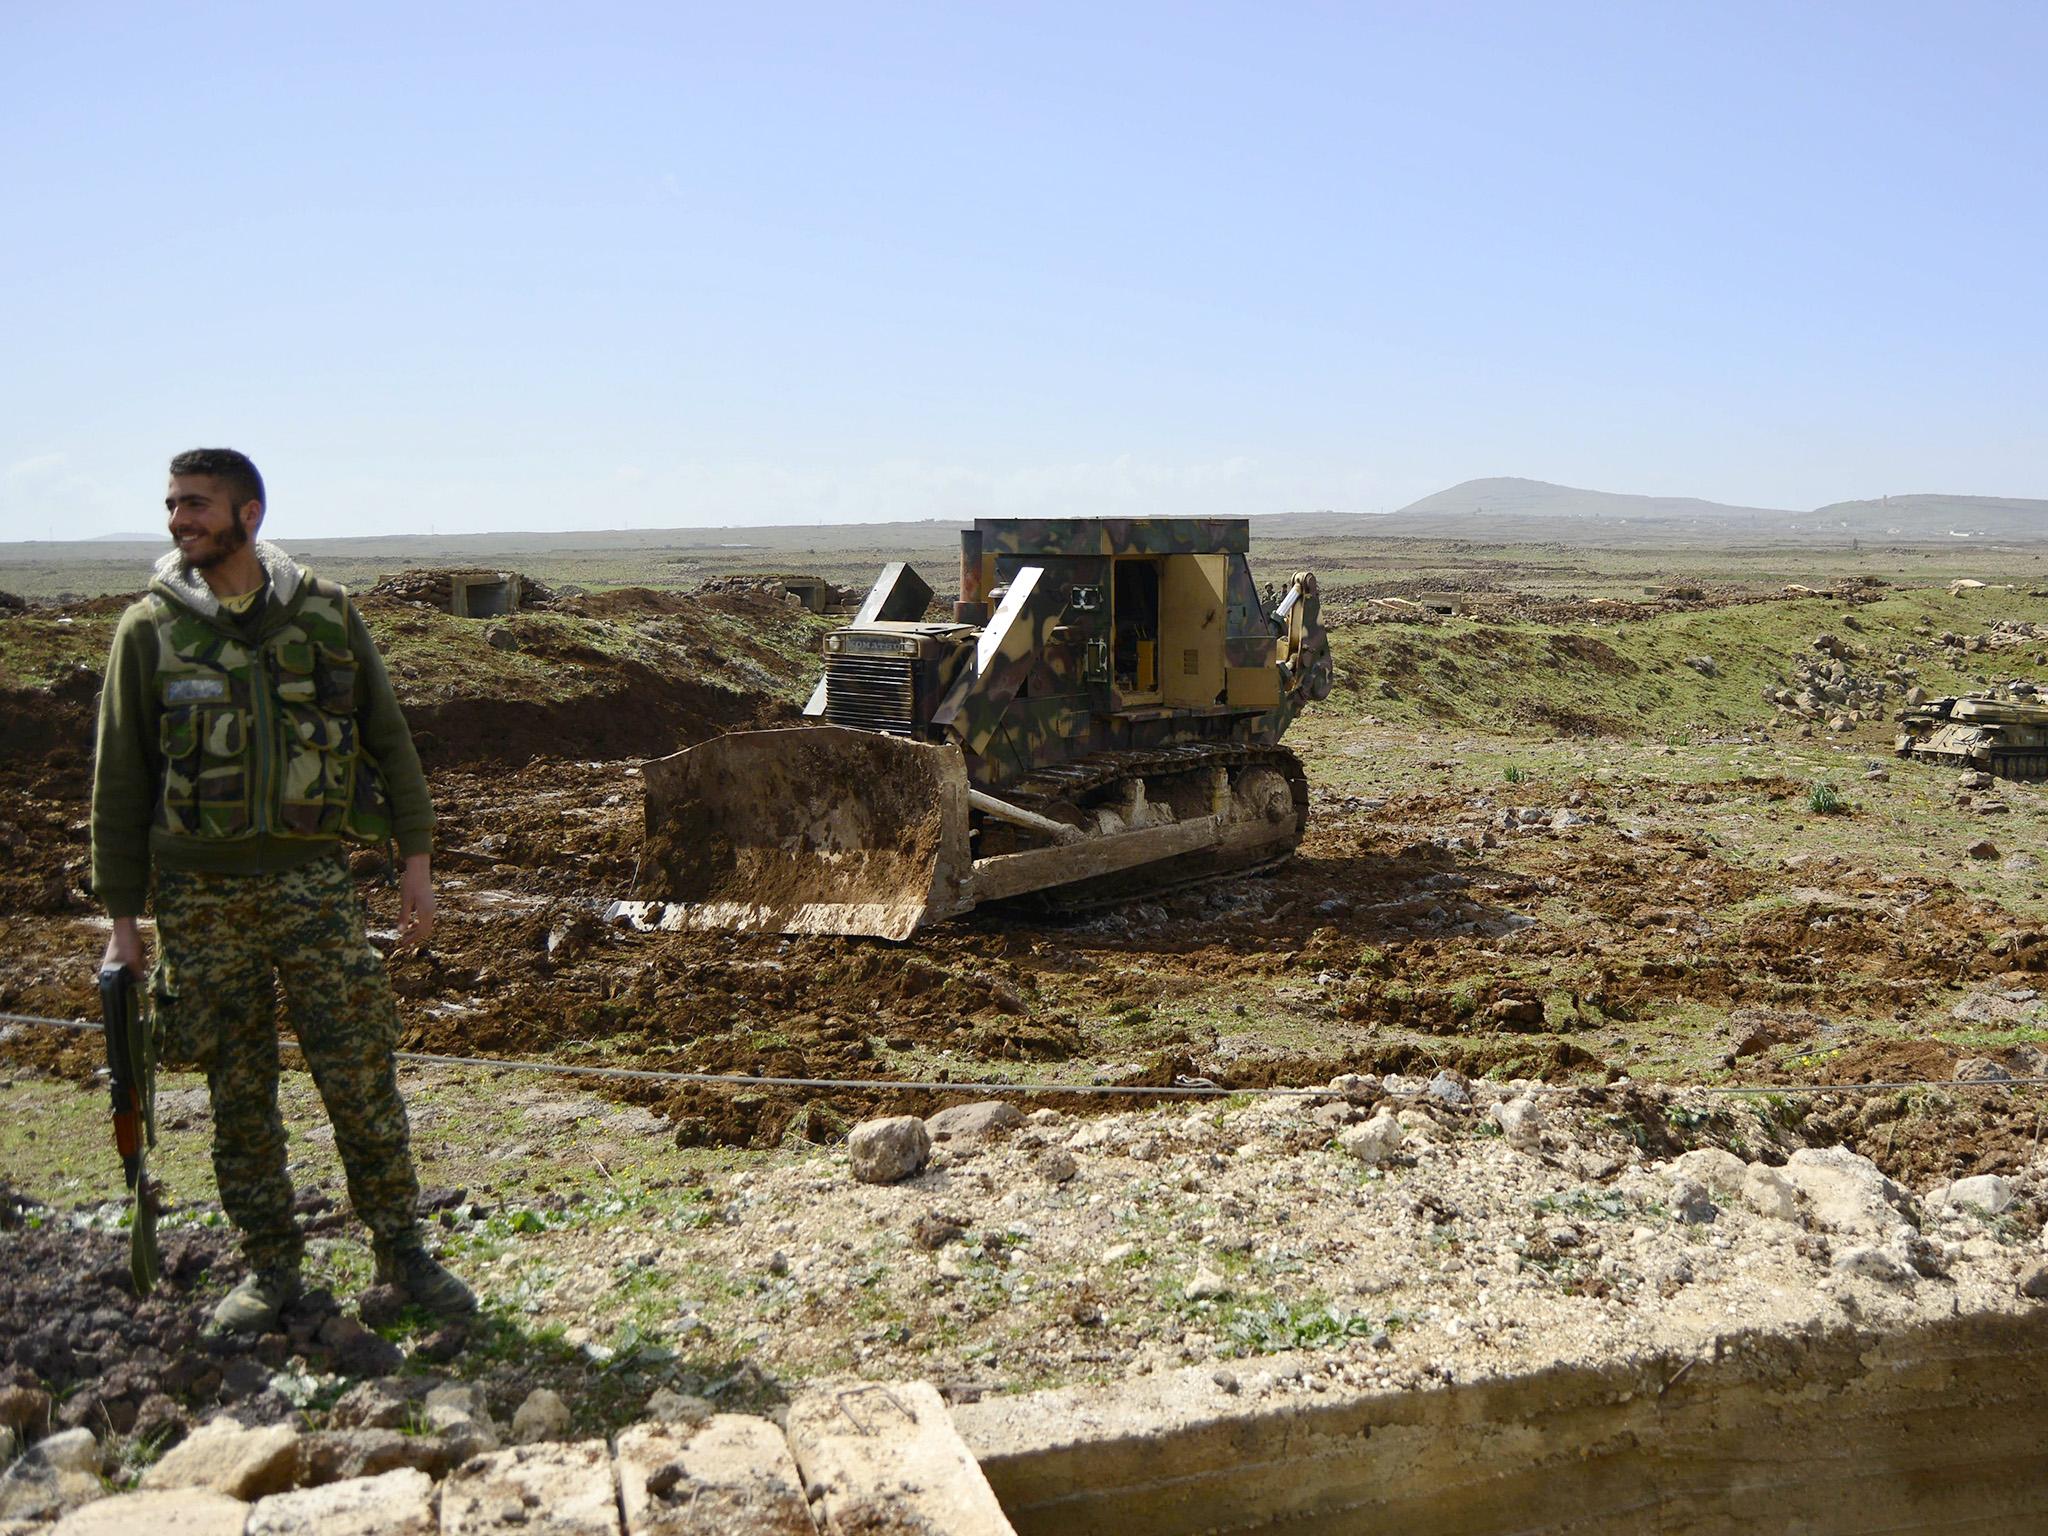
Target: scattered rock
column 222, row 1455
column 25, row 1410
column 2033, row 1281
column 1980, row 1069
column 971, row 1122
column 382, row 1404
column 1521, row 1123
column 1716, row 1170
column 381, row 1305
column 1057, row 1165
column 58, row 1474
column 1987, row 1192
column 1450, row 1088
column 358, row 1351
column 334, row 1455
column 1355, row 1088
column 1873, row 1264
column 883, row 1151
column 1207, row 1285
column 543, row 1416
column 934, row 1229
column 1690, row 1201
column 1378, row 1139
column 668, row 1406
column 1984, row 848
column 1769, row 1193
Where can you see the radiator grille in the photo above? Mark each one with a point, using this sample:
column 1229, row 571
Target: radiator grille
column 872, row 693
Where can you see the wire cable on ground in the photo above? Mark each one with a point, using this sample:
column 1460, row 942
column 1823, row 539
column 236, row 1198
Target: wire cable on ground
column 1192, row 1088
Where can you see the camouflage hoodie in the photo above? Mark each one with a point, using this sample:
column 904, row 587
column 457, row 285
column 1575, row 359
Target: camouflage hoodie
column 304, row 666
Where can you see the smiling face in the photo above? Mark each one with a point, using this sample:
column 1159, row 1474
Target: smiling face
column 205, row 524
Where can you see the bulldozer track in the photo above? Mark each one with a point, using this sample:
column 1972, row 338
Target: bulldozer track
column 1066, row 784
column 2022, row 767
column 1045, row 788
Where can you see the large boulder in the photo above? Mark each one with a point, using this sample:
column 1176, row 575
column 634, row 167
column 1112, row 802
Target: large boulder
column 1846, row 1192
column 883, row 1151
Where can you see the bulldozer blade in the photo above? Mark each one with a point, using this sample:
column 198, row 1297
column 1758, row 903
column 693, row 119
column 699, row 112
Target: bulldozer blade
column 816, row 829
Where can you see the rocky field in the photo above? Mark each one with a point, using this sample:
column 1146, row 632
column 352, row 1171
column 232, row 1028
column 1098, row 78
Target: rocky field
column 1648, row 1001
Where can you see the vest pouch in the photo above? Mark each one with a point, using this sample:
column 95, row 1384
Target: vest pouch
column 177, row 807
column 223, row 772
column 316, row 771
column 368, row 820
column 334, row 679
column 206, row 772
column 295, row 680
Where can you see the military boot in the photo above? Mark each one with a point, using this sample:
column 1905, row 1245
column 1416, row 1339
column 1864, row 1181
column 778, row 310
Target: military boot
column 405, row 1263
column 252, row 1307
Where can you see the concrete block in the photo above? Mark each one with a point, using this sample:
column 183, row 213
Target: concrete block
column 732, row 1475
column 557, row 1489
column 394, row 1504
column 173, row 1512
column 885, row 1457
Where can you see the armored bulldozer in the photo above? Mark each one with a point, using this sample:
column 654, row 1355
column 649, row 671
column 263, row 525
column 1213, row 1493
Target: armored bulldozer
column 2006, row 737
column 1101, row 714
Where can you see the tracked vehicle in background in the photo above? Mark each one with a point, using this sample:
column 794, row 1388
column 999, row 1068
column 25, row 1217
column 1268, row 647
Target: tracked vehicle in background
column 2006, row 737
column 1100, row 715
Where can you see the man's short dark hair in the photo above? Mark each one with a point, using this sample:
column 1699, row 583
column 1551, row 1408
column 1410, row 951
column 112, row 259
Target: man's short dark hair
column 236, row 473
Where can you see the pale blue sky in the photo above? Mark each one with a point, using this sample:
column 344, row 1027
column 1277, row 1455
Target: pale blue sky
column 477, row 266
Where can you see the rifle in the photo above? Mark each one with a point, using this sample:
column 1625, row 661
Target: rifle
column 131, row 1065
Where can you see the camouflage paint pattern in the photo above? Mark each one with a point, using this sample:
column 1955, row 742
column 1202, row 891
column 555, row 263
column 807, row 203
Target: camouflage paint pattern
column 262, row 738
column 1034, row 688
column 2007, row 737
column 226, row 945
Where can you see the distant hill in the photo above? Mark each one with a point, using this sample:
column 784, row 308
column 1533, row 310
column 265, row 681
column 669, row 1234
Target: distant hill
column 1500, row 502
column 1508, row 496
column 1983, row 517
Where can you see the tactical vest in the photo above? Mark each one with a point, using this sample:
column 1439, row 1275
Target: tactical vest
column 259, row 736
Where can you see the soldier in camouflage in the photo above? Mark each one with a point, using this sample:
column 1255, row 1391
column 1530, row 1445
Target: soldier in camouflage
column 247, row 731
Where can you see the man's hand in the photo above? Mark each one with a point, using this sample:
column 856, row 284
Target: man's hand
column 124, row 945
column 415, row 902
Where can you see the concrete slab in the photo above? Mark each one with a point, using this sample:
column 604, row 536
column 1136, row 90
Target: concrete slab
column 729, row 1476
column 173, row 1512
column 536, row 1490
column 884, row 1458
column 1930, row 1429
column 394, row 1504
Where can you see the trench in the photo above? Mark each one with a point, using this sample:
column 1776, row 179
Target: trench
column 1935, row 1428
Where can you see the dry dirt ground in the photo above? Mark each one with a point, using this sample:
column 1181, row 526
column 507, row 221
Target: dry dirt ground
column 1610, row 913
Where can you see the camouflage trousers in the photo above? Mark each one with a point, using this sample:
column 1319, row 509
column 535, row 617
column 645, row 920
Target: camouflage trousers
column 226, row 945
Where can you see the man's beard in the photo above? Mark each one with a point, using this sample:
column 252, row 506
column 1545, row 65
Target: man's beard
column 219, row 546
